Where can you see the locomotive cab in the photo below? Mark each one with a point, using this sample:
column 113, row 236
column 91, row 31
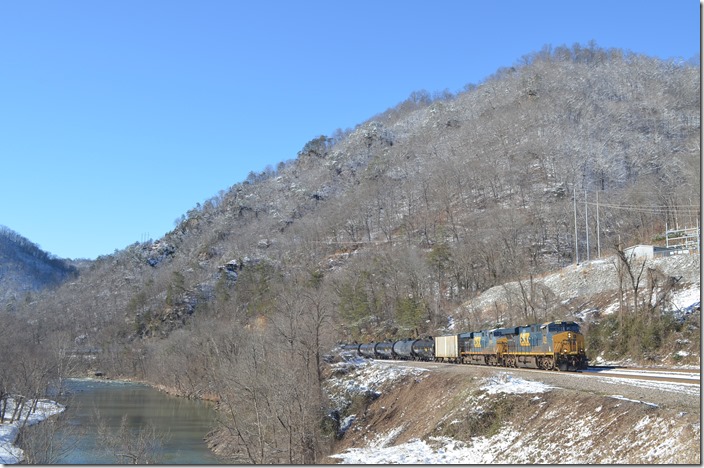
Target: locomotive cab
column 566, row 345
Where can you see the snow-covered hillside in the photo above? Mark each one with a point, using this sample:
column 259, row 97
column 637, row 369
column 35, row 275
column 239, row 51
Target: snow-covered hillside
column 25, row 268
column 590, row 288
column 488, row 416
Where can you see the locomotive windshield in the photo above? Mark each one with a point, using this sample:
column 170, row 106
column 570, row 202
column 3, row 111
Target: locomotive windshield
column 555, row 327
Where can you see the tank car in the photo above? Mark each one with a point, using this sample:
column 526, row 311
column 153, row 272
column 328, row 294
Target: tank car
column 351, row 348
column 423, row 349
column 385, row 350
column 415, row 349
column 368, row 350
column 403, row 349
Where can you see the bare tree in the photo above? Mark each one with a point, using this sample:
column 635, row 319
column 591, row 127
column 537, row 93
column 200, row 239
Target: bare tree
column 129, row 446
column 50, row 441
column 632, row 268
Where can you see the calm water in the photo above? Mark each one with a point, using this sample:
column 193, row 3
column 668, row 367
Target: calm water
column 183, row 422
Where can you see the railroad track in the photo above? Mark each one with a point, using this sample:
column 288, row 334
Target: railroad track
column 678, row 376
column 658, row 375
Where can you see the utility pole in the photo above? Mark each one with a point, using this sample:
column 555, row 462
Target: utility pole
column 586, row 222
column 576, row 248
column 598, row 234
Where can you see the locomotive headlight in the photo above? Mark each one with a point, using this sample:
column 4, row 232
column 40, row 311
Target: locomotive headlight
column 569, row 336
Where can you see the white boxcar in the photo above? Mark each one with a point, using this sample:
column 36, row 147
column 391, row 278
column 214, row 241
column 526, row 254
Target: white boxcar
column 446, row 348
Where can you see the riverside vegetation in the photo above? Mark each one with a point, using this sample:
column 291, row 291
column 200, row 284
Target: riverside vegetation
column 381, row 231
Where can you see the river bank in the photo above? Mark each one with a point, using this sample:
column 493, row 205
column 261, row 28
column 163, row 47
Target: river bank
column 175, row 427
column 172, row 391
column 10, row 454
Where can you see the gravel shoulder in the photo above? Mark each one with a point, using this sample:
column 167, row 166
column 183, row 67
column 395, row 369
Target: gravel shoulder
column 683, row 397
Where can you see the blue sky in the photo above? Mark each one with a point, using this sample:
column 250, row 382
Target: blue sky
column 117, row 117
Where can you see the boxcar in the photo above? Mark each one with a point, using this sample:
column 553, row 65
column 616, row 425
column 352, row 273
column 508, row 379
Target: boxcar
column 446, row 348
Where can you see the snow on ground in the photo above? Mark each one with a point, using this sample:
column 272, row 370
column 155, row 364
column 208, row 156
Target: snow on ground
column 694, row 376
column 659, row 434
column 685, row 388
column 440, row 450
column 357, row 375
column 686, row 297
column 9, row 454
column 445, row 450
column 597, row 278
column 610, row 309
column 681, row 302
column 621, row 397
column 364, row 375
column 507, row 383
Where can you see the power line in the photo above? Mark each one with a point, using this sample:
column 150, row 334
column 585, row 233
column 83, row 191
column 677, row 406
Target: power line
column 654, row 206
column 690, row 209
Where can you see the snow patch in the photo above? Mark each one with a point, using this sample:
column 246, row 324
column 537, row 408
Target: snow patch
column 507, row 383
column 361, row 375
column 621, row 397
column 384, row 440
column 642, row 423
column 610, row 309
column 684, row 388
column 437, row 450
column 9, row 454
column 686, row 297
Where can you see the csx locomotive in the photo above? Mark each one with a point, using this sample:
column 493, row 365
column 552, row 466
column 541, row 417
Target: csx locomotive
column 552, row 346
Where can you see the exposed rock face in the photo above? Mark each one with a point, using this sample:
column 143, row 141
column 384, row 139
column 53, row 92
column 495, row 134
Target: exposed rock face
column 157, row 252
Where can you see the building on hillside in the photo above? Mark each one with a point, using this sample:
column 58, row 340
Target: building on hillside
column 652, row 251
column 683, row 239
column 679, row 241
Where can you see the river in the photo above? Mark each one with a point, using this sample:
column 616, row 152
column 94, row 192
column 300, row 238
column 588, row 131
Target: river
column 182, row 423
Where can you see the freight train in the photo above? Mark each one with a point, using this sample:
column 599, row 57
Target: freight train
column 555, row 345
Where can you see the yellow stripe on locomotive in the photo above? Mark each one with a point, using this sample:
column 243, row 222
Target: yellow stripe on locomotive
column 551, row 345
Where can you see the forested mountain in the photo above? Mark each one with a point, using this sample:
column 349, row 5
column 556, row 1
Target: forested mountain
column 385, row 230
column 26, row 268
